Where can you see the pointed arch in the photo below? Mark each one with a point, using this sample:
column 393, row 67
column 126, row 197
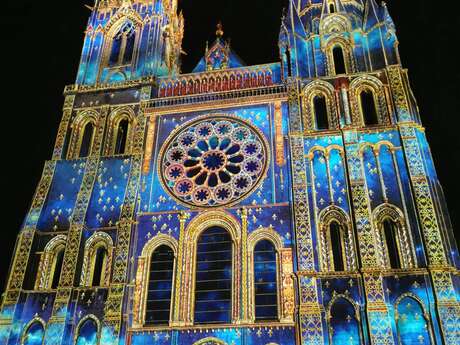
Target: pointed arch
column 50, row 265
column 34, row 332
column 346, row 48
column 83, row 135
column 334, row 24
column 395, row 242
column 199, row 224
column 97, row 260
column 88, row 331
column 413, row 323
column 323, row 90
column 370, row 86
column 345, row 249
column 121, row 39
column 143, row 274
column 121, row 127
column 210, row 341
column 264, row 287
column 344, row 321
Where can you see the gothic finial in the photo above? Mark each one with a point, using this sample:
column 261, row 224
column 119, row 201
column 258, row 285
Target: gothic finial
column 220, row 30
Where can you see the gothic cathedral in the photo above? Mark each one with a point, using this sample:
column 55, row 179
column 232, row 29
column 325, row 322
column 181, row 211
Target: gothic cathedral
column 289, row 203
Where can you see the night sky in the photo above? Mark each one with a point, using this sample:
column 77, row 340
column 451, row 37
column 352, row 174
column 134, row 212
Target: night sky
column 41, row 46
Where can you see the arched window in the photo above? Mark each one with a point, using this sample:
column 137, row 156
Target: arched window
column 86, row 141
column 34, row 334
column 390, row 233
column 331, row 8
column 339, row 60
column 320, row 109
column 265, row 281
column 87, row 333
column 160, row 284
column 123, row 45
column 412, row 324
column 99, row 266
column 336, row 234
column 58, row 260
column 288, row 61
column 213, row 287
column 343, row 323
column 368, row 108
column 121, row 140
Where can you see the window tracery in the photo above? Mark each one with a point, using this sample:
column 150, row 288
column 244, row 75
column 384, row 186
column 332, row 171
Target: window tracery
column 213, row 162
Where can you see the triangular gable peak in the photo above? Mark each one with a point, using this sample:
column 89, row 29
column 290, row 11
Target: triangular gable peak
column 219, row 56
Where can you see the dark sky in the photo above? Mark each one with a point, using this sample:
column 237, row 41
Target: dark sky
column 41, row 45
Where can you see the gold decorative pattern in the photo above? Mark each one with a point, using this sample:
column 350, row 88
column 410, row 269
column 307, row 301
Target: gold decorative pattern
column 63, row 127
column 279, row 137
column 399, row 94
column 41, row 194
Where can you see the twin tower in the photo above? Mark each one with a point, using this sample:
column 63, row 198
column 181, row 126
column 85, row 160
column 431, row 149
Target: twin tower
column 289, row 203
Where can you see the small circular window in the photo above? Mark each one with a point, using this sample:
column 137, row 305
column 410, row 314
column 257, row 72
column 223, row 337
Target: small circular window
column 212, row 162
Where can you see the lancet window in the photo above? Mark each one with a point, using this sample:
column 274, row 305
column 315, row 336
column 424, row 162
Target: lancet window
column 213, row 287
column 123, row 43
column 121, row 139
column 265, row 281
column 160, row 286
column 368, row 107
column 319, row 106
column 321, row 112
column 396, row 244
column 97, row 260
column 86, row 140
column 50, row 265
column 339, row 59
column 337, row 243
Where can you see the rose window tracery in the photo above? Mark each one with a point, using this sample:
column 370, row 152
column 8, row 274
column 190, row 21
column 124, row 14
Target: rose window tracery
column 213, row 162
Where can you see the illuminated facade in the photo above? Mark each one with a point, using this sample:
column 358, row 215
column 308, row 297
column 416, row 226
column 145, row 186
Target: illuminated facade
column 294, row 202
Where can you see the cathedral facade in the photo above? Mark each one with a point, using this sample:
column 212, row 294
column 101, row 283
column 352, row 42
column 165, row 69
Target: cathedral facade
column 294, row 202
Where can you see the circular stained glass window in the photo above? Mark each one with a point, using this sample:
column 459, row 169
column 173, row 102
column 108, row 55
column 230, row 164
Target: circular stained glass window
column 213, row 162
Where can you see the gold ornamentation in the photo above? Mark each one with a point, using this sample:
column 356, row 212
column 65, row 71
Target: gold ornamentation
column 279, row 137
column 142, row 276
column 322, row 89
column 373, row 84
column 96, row 241
column 47, row 263
column 399, row 94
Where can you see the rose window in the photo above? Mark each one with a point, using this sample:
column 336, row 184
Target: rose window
column 213, row 162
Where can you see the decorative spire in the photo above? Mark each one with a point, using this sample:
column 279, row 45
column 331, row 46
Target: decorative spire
column 220, row 30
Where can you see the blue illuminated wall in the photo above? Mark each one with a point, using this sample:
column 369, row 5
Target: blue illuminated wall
column 274, row 245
